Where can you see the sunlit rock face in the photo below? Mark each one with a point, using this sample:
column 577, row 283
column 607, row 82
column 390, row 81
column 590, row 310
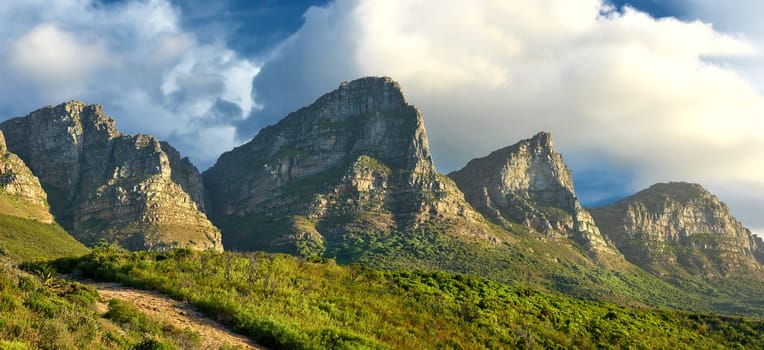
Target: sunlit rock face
column 20, row 191
column 355, row 159
column 681, row 225
column 108, row 187
column 529, row 184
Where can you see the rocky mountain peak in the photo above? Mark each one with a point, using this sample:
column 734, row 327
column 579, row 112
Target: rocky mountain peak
column 370, row 94
column 528, row 183
column 680, row 225
column 374, row 114
column 104, row 185
column 84, row 118
column 357, row 150
column 533, row 167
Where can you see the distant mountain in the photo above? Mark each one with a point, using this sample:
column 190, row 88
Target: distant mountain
column 27, row 230
column 529, row 184
column 681, row 227
column 356, row 160
column 107, row 187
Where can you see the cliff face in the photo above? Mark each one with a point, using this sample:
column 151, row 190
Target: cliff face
column 357, row 158
column 105, row 186
column 20, row 191
column 680, row 225
column 529, row 184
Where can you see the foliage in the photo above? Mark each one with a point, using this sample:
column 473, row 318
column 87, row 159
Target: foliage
column 62, row 315
column 290, row 303
column 547, row 264
column 132, row 320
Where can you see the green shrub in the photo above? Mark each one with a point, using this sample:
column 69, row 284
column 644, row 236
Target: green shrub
column 55, row 335
column 13, row 345
column 332, row 338
column 43, row 303
column 274, row 334
column 153, row 344
column 128, row 316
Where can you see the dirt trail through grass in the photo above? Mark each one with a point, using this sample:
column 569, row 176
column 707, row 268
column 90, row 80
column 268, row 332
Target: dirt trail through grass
column 179, row 314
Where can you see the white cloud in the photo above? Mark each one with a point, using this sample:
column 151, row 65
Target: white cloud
column 660, row 96
column 49, row 55
column 152, row 75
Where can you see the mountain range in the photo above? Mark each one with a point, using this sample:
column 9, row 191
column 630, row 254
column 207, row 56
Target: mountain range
column 351, row 177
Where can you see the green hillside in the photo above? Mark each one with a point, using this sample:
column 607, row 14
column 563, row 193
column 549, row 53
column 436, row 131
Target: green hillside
column 31, row 240
column 289, row 303
column 550, row 265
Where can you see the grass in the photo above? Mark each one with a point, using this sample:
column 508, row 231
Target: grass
column 286, row 302
column 14, row 206
column 31, row 240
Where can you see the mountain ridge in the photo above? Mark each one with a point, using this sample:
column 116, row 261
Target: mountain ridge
column 357, row 150
column 682, row 225
column 107, row 186
column 351, row 177
column 528, row 183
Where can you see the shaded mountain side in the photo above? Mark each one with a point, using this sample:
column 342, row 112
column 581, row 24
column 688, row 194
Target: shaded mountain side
column 681, row 228
column 108, row 187
column 529, row 184
column 357, row 159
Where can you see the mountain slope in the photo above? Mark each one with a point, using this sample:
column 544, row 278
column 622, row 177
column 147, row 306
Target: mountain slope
column 529, row 184
column 27, row 231
column 105, row 186
column 680, row 227
column 350, row 177
column 356, row 160
column 284, row 302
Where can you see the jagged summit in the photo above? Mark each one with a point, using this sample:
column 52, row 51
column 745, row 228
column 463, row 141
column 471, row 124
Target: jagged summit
column 681, row 225
column 529, row 184
column 106, row 186
column 372, row 109
column 358, row 154
column 365, row 95
column 530, row 167
column 683, row 192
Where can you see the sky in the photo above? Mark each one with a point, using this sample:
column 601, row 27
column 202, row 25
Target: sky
column 634, row 92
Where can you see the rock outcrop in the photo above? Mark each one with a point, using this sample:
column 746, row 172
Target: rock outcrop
column 21, row 194
column 680, row 225
column 105, row 186
column 529, row 184
column 356, row 159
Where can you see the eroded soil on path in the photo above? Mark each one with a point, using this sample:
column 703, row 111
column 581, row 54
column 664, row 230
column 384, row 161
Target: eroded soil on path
column 179, row 314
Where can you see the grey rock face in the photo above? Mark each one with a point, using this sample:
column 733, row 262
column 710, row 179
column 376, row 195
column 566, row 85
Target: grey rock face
column 681, row 225
column 359, row 149
column 529, row 184
column 109, row 186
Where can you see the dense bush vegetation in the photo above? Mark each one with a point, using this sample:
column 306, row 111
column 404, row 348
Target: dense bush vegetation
column 285, row 302
column 38, row 311
column 549, row 265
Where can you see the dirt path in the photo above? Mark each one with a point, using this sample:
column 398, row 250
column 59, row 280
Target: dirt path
column 176, row 313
